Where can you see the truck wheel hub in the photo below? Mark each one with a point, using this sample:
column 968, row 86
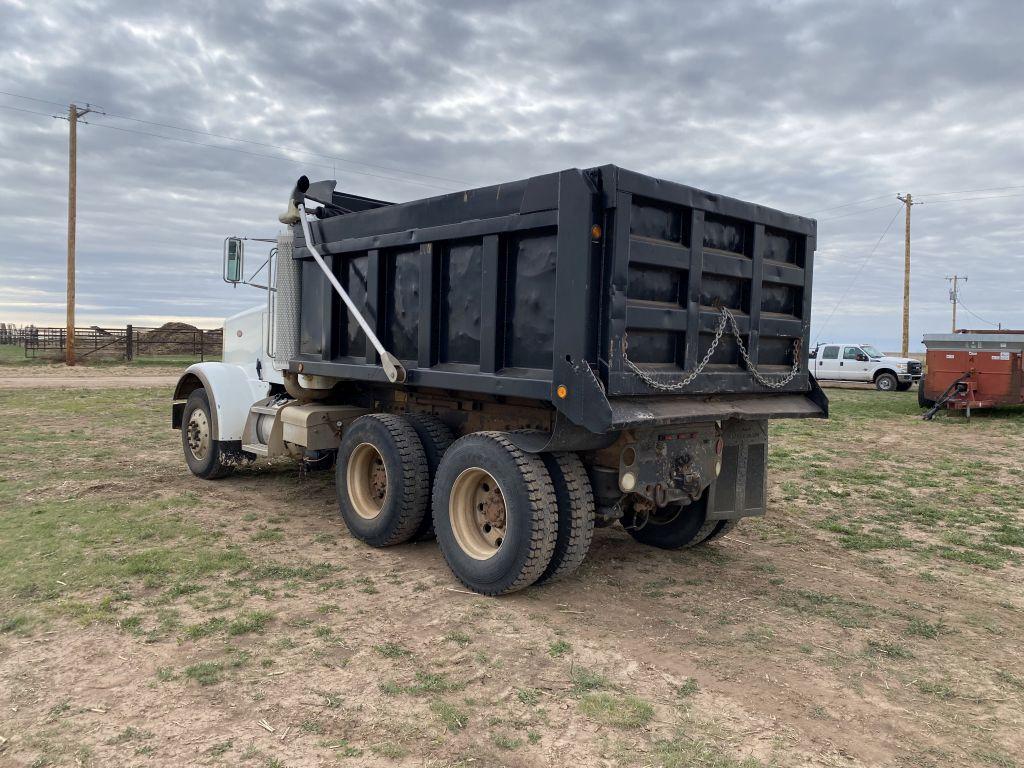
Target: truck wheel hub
column 198, row 434
column 367, row 481
column 478, row 514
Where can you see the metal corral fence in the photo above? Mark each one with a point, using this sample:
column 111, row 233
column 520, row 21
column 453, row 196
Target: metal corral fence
column 127, row 343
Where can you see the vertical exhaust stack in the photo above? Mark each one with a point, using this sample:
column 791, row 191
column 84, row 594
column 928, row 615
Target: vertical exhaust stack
column 289, row 292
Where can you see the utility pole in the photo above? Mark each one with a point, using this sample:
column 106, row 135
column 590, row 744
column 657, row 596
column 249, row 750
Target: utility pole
column 73, row 114
column 908, row 201
column 954, row 295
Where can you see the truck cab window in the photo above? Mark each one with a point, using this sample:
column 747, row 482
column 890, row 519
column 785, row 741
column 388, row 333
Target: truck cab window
column 830, row 353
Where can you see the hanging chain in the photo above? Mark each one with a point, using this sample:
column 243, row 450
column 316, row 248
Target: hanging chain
column 726, row 320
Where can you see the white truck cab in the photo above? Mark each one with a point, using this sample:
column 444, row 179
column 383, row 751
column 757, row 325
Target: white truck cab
column 862, row 362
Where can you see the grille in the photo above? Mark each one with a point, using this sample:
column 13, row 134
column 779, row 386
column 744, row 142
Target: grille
column 914, row 366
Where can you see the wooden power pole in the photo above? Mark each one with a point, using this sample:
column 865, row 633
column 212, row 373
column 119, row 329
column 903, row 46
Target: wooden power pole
column 73, row 114
column 954, row 294
column 908, row 201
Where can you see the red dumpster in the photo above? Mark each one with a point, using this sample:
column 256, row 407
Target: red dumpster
column 973, row 369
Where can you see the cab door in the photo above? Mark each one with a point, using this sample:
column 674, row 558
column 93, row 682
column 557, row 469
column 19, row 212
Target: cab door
column 854, row 364
column 827, row 363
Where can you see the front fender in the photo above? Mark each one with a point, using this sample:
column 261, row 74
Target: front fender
column 231, row 389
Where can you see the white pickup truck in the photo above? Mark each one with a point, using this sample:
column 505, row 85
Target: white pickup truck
column 862, row 362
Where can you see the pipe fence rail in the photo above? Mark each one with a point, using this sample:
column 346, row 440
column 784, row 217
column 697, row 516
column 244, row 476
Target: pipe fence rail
column 125, row 343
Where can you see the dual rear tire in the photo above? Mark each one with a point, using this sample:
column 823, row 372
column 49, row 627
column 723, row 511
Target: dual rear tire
column 504, row 519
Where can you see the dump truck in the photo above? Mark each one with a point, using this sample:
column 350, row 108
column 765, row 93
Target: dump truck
column 508, row 367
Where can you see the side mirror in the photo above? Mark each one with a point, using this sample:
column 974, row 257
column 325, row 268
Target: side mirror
column 862, row 358
column 812, row 354
column 234, row 260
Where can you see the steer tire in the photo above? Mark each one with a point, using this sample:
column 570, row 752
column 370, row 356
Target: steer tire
column 206, row 457
column 575, row 502
column 382, row 479
column 886, row 382
column 678, row 526
column 436, row 438
column 494, row 513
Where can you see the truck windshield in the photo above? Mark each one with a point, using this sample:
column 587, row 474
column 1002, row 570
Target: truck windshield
column 871, row 351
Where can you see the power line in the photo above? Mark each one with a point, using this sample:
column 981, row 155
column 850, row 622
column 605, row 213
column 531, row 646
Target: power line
column 855, row 202
column 283, row 148
column 855, row 213
column 969, row 191
column 980, row 197
column 32, row 112
column 858, row 274
column 61, row 104
column 294, row 150
column 255, row 154
column 972, row 314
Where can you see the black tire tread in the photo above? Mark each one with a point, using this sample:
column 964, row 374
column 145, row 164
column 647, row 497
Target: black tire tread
column 541, row 499
column 436, row 438
column 416, row 490
column 224, row 461
column 724, row 528
column 571, row 549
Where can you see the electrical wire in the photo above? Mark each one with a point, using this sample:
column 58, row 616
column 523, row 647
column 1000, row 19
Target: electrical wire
column 854, row 213
column 860, row 270
column 255, row 154
column 972, row 314
column 855, row 202
column 293, row 150
column 32, row 112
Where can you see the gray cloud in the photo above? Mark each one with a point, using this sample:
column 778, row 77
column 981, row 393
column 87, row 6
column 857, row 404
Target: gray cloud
column 798, row 105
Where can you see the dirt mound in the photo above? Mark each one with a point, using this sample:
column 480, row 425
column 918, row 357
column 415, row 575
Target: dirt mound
column 179, row 338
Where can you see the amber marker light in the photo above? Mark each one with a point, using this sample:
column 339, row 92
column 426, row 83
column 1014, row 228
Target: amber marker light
column 562, row 391
column 595, row 232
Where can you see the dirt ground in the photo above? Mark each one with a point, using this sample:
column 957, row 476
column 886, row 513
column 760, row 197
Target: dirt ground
column 149, row 618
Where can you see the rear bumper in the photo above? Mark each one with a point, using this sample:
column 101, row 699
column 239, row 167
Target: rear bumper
column 639, row 412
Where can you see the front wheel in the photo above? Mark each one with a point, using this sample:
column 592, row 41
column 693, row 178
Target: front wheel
column 886, row 382
column 206, row 456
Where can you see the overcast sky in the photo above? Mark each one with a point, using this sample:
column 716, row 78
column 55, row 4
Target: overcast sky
column 799, row 105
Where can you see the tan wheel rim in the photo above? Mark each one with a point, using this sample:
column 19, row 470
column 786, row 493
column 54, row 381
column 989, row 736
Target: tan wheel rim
column 197, row 434
column 367, row 480
column 477, row 512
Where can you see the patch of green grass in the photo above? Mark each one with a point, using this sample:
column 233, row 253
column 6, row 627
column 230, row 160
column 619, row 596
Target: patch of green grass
column 165, row 674
column 617, row 710
column 15, row 624
column 453, row 718
column 129, row 734
column 937, row 688
column 688, row 688
column 559, row 648
column 391, row 650
column 683, row 752
column 206, row 628
column 341, row 747
column 584, row 680
column 205, row 673
column 506, row 742
column 921, row 628
column 268, row 534
column 528, row 696
column 249, row 622
column 892, row 650
column 459, row 638
column 220, row 748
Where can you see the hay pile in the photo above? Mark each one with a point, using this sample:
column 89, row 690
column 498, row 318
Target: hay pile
column 178, row 339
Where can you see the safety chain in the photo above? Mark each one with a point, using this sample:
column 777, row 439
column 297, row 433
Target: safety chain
column 727, row 319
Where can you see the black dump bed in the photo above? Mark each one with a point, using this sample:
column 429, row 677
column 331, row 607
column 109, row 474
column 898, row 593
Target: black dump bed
column 559, row 287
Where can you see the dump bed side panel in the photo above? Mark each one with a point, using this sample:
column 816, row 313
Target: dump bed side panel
column 473, row 291
column 677, row 254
